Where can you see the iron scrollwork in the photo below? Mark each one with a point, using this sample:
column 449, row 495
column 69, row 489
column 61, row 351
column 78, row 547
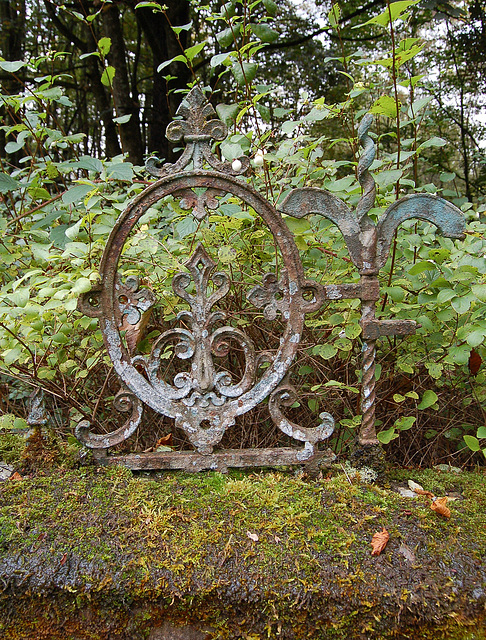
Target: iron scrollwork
column 205, row 399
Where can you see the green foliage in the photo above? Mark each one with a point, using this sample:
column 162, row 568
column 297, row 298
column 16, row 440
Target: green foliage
column 59, row 205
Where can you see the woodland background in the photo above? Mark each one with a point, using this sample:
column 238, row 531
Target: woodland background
column 87, row 90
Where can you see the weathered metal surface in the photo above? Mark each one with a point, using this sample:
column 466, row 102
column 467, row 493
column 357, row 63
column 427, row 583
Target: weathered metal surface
column 374, row 329
column 369, row 245
column 191, row 461
column 204, row 399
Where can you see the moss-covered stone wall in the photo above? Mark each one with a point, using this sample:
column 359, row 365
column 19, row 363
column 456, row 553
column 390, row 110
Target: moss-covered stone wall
column 98, row 553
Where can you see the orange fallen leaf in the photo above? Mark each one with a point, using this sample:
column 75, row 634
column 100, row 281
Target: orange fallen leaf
column 379, row 542
column 439, row 506
column 63, row 559
column 16, row 476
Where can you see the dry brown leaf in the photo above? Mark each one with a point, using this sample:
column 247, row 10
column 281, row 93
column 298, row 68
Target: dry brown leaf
column 419, row 490
column 16, row 476
column 252, row 536
column 439, row 506
column 379, row 542
column 63, row 559
column 475, row 362
column 165, row 441
column 423, row 492
column 134, row 333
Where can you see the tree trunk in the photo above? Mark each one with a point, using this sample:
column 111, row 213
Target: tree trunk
column 12, row 41
column 131, row 138
column 164, row 46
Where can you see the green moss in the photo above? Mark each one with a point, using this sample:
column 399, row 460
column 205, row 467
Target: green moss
column 247, row 553
column 12, row 446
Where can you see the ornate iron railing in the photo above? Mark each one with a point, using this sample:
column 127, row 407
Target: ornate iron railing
column 205, row 400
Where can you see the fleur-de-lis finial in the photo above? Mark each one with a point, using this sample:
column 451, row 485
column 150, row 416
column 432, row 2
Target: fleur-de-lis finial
column 196, row 127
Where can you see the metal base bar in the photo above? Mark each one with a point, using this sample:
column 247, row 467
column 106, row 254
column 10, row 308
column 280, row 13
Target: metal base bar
column 220, row 461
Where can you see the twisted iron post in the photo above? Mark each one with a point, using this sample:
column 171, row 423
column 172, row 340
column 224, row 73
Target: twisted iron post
column 367, row 432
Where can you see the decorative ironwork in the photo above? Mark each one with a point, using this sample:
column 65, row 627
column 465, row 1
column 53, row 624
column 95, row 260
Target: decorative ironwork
column 205, row 399
column 369, row 245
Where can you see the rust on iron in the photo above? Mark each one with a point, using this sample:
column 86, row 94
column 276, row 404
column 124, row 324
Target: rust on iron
column 369, row 245
column 204, row 399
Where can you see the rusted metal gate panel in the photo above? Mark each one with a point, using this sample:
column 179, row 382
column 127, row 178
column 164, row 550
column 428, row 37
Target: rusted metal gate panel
column 203, row 400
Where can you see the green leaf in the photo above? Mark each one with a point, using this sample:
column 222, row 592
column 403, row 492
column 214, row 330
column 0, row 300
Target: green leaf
column 226, row 37
column 352, row 331
column 447, row 177
column 412, row 394
column 227, row 112
column 82, row 285
column 341, row 185
column 179, row 58
column 481, row 432
column 184, row 27
column 264, row 33
column 122, row 119
column 461, row 305
column 107, row 76
column 445, row 295
column 7, row 183
column 89, row 164
column 387, row 436
column 220, row 59
column 60, row 338
column 334, row 15
column 435, row 369
column 397, row 294
column 244, row 72
column 433, row 142
column 155, row 6
column 227, row 254
column 297, row 226
column 305, row 369
column 479, row 291
column 428, row 399
column 104, row 46
column 12, row 147
column 405, row 422
column 12, row 355
column 385, row 178
column 394, row 11
column 77, row 193
column 270, row 6
column 326, row 351
column 120, row 171
column 420, row 267
column 475, row 338
column 472, row 443
column 11, row 66
column 193, row 51
column 20, row 297
column 385, row 105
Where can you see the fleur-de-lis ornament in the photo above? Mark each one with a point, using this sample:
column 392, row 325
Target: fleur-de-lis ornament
column 369, row 245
